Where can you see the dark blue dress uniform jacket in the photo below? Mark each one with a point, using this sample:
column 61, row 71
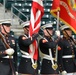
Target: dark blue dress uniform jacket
column 25, row 66
column 46, row 67
column 6, row 68
column 67, row 49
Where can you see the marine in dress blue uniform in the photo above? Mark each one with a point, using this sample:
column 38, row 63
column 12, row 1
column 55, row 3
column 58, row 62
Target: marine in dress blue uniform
column 47, row 45
column 66, row 55
column 25, row 66
column 7, row 64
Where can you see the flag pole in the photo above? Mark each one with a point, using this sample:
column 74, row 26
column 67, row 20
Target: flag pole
column 57, row 29
column 57, row 20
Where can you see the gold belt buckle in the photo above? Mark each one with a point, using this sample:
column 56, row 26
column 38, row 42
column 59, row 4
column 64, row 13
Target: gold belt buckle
column 55, row 66
column 34, row 65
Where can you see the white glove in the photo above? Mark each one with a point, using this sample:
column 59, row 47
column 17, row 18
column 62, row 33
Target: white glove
column 16, row 73
column 57, row 33
column 9, row 51
column 64, row 73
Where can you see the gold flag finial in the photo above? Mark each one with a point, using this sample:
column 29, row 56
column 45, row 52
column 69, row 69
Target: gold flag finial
column 74, row 4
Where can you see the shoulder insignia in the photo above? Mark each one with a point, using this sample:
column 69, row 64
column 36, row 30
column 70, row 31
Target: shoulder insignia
column 59, row 48
column 23, row 38
column 44, row 41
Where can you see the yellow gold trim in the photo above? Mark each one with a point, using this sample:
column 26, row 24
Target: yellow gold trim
column 55, row 10
column 55, row 66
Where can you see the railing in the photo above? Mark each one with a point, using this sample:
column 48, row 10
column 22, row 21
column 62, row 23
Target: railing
column 13, row 7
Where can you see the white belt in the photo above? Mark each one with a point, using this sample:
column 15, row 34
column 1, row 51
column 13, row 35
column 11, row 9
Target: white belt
column 48, row 58
column 25, row 53
column 26, row 56
column 71, row 73
column 68, row 56
column 45, row 56
column 8, row 57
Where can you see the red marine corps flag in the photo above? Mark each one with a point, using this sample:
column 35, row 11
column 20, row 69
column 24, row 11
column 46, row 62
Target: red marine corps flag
column 55, row 6
column 67, row 12
column 37, row 12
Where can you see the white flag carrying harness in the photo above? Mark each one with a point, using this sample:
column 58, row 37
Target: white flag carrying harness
column 27, row 55
column 49, row 57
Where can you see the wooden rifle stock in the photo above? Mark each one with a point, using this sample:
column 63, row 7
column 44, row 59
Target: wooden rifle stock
column 4, row 41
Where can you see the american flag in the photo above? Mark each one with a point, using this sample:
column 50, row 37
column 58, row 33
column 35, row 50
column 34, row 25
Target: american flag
column 37, row 12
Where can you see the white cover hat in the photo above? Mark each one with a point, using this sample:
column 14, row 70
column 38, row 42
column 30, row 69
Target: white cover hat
column 64, row 27
column 48, row 25
column 24, row 24
column 5, row 21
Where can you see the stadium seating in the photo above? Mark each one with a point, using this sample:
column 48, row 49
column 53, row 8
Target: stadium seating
column 45, row 18
column 20, row 1
column 21, row 8
column 24, row 14
column 27, row 6
column 48, row 5
column 28, row 1
column 1, row 1
column 49, row 1
column 18, row 6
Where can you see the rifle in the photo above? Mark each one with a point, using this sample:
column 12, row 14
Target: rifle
column 7, row 47
column 4, row 41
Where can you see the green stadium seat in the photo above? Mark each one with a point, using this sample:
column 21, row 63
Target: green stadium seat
column 45, row 18
column 43, row 22
column 24, row 14
column 52, row 18
column 47, row 11
column 8, row 4
column 49, row 1
column 20, row 1
column 47, row 5
column 1, row 1
column 27, row 6
column 28, row 1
